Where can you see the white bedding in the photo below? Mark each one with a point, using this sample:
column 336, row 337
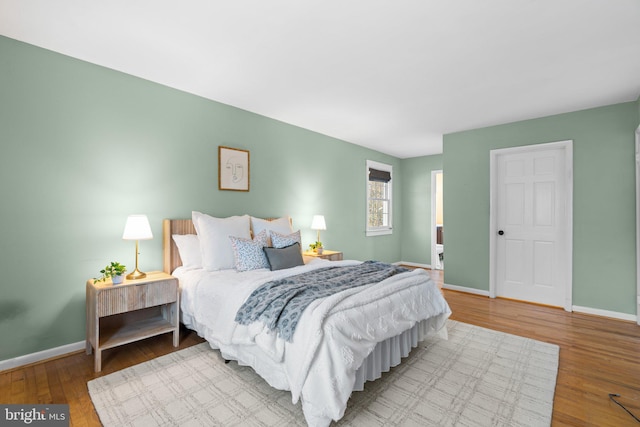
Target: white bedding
column 333, row 337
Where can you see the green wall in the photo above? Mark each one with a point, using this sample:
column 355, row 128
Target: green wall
column 604, row 270
column 84, row 146
column 416, row 207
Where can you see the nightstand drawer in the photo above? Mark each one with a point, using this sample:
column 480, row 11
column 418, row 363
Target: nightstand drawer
column 134, row 297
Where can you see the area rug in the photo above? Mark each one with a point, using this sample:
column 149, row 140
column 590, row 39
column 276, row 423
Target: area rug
column 478, row 377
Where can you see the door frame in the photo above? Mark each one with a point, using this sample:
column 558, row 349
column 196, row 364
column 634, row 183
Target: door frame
column 638, row 225
column 434, row 237
column 567, row 146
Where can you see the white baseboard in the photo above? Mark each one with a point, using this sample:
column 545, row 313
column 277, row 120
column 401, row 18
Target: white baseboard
column 604, row 313
column 41, row 355
column 465, row 289
column 413, row 264
column 576, row 308
column 80, row 345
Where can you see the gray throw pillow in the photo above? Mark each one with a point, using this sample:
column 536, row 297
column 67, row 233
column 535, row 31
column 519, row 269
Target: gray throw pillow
column 282, row 258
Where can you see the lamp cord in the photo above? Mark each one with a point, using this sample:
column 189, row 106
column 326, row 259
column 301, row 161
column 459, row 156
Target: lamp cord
column 612, row 395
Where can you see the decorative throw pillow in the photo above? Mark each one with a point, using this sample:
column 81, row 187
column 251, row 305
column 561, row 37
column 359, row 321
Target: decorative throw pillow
column 280, row 225
column 281, row 258
column 217, row 253
column 279, row 241
column 248, row 254
column 189, row 249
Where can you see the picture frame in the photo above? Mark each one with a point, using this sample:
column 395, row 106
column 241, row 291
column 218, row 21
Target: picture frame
column 233, row 169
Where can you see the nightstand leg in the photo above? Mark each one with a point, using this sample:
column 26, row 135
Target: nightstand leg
column 98, row 361
column 175, row 321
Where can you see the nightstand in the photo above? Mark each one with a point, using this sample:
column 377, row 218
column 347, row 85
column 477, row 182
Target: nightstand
column 132, row 311
column 330, row 255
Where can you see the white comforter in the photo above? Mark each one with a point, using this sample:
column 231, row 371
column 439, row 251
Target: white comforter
column 333, row 337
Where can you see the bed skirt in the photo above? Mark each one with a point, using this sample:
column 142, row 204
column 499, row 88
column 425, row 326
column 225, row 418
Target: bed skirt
column 388, row 353
column 384, row 356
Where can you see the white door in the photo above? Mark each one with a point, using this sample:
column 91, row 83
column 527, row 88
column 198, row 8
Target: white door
column 532, row 224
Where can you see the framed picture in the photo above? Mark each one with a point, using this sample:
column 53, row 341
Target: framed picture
column 233, row 169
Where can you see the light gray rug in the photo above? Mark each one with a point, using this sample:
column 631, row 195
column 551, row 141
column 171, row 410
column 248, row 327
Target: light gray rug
column 478, row 377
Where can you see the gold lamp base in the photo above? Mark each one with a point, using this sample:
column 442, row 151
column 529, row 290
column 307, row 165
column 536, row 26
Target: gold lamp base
column 136, row 274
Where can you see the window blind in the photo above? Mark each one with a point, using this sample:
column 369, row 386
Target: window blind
column 379, row 176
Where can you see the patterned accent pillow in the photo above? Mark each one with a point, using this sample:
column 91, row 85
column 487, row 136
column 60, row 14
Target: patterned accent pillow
column 248, row 254
column 280, row 241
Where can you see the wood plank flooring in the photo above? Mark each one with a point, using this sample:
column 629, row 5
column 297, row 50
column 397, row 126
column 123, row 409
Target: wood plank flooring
column 598, row 356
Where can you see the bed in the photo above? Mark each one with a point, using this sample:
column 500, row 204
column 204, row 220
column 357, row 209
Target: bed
column 340, row 342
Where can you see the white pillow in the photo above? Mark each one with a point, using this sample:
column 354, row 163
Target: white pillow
column 189, row 249
column 280, row 225
column 215, row 247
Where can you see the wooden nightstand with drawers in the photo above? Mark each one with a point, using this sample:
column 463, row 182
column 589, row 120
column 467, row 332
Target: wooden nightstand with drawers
column 132, row 311
column 330, row 255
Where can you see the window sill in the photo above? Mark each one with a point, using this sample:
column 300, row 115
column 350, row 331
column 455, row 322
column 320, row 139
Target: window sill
column 382, row 232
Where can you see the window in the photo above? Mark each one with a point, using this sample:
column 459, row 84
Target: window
column 379, row 199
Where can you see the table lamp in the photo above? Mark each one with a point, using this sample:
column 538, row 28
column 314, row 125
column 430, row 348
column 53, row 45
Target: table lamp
column 137, row 228
column 318, row 224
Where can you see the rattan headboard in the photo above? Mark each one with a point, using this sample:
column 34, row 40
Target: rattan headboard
column 170, row 255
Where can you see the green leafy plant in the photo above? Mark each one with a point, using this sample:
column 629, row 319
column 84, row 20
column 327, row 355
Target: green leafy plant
column 113, row 269
column 315, row 246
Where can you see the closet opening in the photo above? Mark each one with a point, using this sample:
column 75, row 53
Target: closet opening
column 437, row 223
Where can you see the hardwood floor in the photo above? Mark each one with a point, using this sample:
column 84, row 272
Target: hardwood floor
column 64, row 380
column 598, row 356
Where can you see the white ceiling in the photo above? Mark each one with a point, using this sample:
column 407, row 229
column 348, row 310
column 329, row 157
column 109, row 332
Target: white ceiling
column 390, row 75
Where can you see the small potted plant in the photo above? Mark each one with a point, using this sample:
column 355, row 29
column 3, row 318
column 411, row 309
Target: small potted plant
column 316, row 247
column 115, row 271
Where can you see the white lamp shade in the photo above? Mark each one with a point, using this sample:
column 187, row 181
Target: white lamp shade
column 318, row 223
column 137, row 228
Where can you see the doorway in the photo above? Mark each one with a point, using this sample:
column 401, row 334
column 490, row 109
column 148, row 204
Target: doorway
column 531, row 223
column 437, row 221
column 638, row 223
